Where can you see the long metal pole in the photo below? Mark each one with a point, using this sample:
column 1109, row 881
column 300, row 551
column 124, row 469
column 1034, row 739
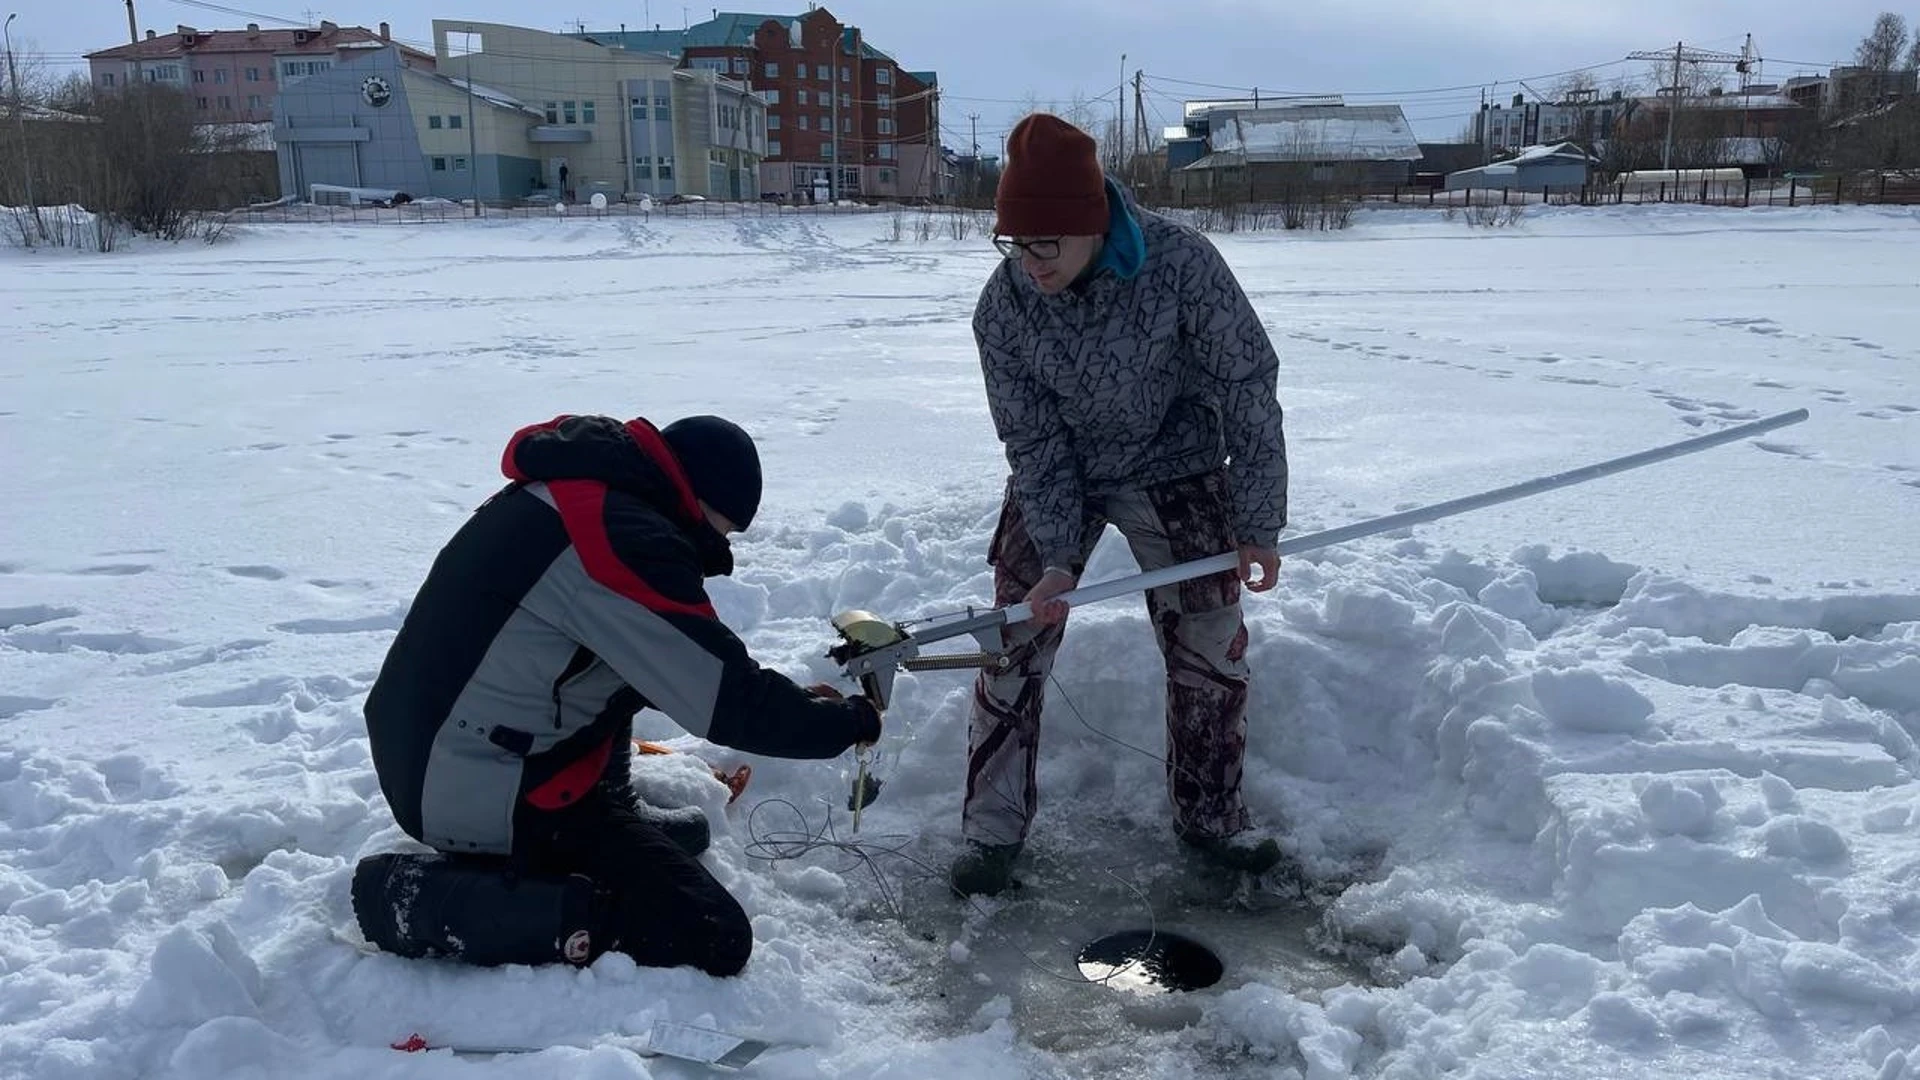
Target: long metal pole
column 473, row 137
column 1213, row 564
column 19, row 114
column 1673, row 107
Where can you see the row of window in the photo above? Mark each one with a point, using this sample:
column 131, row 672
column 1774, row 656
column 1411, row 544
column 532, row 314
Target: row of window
column 662, row 107
column 646, row 167
column 805, row 123
column 801, row 97
column 737, row 65
column 569, row 112
column 885, row 151
column 219, row 75
column 459, row 164
column 254, row 101
column 453, row 120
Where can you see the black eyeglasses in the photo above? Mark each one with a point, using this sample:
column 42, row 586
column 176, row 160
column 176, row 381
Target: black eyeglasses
column 1039, row 249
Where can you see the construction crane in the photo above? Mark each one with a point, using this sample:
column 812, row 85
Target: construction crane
column 1743, row 62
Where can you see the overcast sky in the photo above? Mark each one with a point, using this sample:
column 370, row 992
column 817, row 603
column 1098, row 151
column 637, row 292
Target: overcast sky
column 1428, row 56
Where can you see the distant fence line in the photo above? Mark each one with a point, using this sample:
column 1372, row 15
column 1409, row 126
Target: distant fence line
column 439, row 211
column 1808, row 191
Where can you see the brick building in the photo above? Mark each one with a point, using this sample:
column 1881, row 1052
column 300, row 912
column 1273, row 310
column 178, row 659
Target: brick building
column 233, row 75
column 832, row 99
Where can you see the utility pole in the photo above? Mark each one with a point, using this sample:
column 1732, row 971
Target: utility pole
column 973, row 163
column 833, row 91
column 1120, row 123
column 1740, row 62
column 1139, row 123
column 473, row 139
column 20, row 115
column 933, row 145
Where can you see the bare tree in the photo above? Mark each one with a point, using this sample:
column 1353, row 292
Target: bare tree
column 1575, row 87
column 1882, row 48
column 1881, row 51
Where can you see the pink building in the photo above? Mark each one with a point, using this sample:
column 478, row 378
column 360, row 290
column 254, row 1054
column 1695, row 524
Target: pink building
column 232, row 75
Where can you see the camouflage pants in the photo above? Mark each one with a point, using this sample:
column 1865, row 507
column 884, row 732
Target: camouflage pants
column 1200, row 632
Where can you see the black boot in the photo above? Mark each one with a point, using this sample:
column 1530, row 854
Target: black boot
column 984, row 868
column 430, row 905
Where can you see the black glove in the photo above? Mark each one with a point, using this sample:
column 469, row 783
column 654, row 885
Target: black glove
column 866, row 719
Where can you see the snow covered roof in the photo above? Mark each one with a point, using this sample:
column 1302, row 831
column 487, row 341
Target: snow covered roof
column 1547, row 152
column 1196, row 109
column 487, row 94
column 1316, row 133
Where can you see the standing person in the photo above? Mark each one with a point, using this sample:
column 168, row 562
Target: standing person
column 1131, row 383
column 501, row 723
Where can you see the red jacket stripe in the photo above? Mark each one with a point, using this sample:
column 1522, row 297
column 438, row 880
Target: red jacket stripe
column 582, row 506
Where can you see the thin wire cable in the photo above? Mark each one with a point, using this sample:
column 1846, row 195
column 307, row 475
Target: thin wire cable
column 782, row 845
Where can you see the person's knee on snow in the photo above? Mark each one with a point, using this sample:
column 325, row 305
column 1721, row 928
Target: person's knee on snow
column 501, row 721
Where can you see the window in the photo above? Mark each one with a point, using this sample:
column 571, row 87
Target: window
column 433, row 122
column 553, row 112
column 826, row 151
column 716, row 157
column 439, row 164
column 253, row 101
column 665, row 169
column 820, row 72
column 803, row 121
column 662, row 107
column 637, row 107
column 586, row 113
column 454, row 121
column 253, row 74
column 883, row 76
column 772, row 96
column 800, row 97
column 226, row 103
column 826, row 122
column 200, row 103
column 643, row 167
column 846, row 102
column 199, row 76
column 569, row 113
column 773, row 147
column 771, row 70
column 800, row 71
column 846, row 123
column 739, row 65
column 886, row 151
column 220, row 75
column 886, row 125
column 106, row 78
column 886, row 176
column 885, row 101
column 708, row 63
column 459, row 164
column 846, row 74
column 773, row 122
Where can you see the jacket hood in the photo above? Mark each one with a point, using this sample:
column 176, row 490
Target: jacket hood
column 629, row 457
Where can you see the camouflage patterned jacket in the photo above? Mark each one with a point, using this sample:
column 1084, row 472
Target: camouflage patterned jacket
column 1152, row 368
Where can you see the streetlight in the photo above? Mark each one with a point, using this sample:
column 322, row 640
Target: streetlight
column 19, row 114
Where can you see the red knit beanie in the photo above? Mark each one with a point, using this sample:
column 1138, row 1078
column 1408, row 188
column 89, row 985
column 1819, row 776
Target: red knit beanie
column 1052, row 184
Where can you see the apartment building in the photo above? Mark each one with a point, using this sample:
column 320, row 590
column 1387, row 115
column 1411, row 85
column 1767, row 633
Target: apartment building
column 509, row 112
column 844, row 119
column 232, row 76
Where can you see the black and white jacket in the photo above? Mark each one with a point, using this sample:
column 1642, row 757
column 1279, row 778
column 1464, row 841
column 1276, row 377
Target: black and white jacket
column 569, row 601
column 1153, row 368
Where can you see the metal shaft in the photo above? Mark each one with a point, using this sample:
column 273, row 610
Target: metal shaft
column 1213, row 564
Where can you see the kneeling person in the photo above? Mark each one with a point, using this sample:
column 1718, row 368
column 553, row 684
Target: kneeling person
column 501, row 722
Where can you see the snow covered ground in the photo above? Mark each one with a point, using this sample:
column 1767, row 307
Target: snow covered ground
column 1620, row 779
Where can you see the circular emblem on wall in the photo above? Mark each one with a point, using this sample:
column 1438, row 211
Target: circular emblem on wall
column 375, row 90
